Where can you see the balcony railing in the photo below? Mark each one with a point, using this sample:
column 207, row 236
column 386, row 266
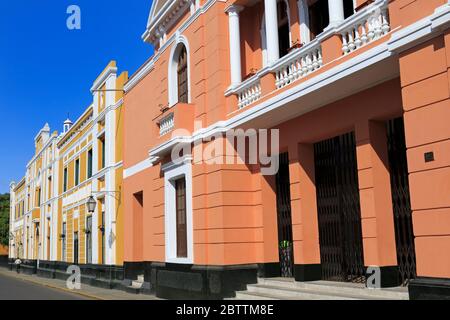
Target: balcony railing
column 179, row 116
column 249, row 94
column 365, row 27
column 166, row 124
column 362, row 28
column 302, row 63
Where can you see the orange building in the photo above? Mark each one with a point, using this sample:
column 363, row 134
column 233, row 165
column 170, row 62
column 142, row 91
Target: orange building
column 3, row 250
column 356, row 99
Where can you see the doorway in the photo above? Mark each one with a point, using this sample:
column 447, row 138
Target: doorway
column 401, row 203
column 89, row 240
column 340, row 234
column 285, row 243
column 75, row 248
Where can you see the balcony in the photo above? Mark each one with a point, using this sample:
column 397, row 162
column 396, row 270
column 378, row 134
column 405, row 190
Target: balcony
column 175, row 121
column 362, row 28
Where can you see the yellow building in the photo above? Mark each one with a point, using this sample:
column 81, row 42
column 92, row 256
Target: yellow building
column 33, row 201
column 50, row 222
column 91, row 165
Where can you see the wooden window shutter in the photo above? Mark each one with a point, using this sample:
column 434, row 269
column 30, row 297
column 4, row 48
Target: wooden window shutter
column 180, row 186
column 182, row 71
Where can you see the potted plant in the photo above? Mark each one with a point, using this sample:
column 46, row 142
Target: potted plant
column 286, row 258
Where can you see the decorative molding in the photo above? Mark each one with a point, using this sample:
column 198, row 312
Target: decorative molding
column 148, row 66
column 420, row 31
column 164, row 19
column 103, row 77
column 172, row 172
column 141, row 166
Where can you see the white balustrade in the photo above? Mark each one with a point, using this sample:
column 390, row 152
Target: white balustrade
column 166, row 124
column 299, row 65
column 369, row 27
column 249, row 94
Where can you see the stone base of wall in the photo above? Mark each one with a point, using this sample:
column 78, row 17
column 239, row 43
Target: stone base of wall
column 4, row 261
column 109, row 277
column 178, row 281
column 429, row 289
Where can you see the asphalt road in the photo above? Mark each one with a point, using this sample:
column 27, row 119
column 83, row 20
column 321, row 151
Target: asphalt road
column 15, row 289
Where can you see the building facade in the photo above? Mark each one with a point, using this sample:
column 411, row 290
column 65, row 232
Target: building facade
column 50, row 221
column 357, row 95
column 305, row 139
column 33, row 201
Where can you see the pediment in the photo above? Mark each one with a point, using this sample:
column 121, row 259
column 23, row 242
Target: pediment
column 156, row 9
column 163, row 13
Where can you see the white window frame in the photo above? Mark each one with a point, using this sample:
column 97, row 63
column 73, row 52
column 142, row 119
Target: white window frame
column 173, row 72
column 86, row 238
column 172, row 172
column 75, row 182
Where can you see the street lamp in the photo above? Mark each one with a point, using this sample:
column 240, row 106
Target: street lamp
column 91, row 204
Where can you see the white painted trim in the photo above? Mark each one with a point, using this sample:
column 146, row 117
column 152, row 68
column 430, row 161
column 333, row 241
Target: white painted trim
column 141, row 166
column 262, row 32
column 139, row 75
column 171, row 173
column 172, row 69
column 148, row 66
column 358, row 63
column 103, row 78
column 165, row 18
column 420, row 31
column 303, row 13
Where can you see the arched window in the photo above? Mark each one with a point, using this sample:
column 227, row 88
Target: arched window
column 182, row 76
column 179, row 82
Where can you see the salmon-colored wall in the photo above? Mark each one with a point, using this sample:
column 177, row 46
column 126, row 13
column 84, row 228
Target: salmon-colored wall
column 405, row 12
column 426, row 96
column 234, row 206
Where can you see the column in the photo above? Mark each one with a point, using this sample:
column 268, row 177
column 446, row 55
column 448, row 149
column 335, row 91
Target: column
column 336, row 11
column 305, row 224
column 377, row 220
column 110, row 178
column 305, row 34
column 270, row 13
column 235, row 44
column 426, row 102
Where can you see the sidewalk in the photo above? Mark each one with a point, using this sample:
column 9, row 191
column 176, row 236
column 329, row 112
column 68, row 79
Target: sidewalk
column 86, row 290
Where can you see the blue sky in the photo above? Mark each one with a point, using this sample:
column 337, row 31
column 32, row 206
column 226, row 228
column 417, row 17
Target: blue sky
column 46, row 70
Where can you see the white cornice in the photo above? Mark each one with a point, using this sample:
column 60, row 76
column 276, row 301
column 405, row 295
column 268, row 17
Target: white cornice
column 77, row 127
column 165, row 18
column 148, row 66
column 139, row 75
column 46, row 145
column 360, row 62
column 399, row 41
column 103, row 77
column 421, row 31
